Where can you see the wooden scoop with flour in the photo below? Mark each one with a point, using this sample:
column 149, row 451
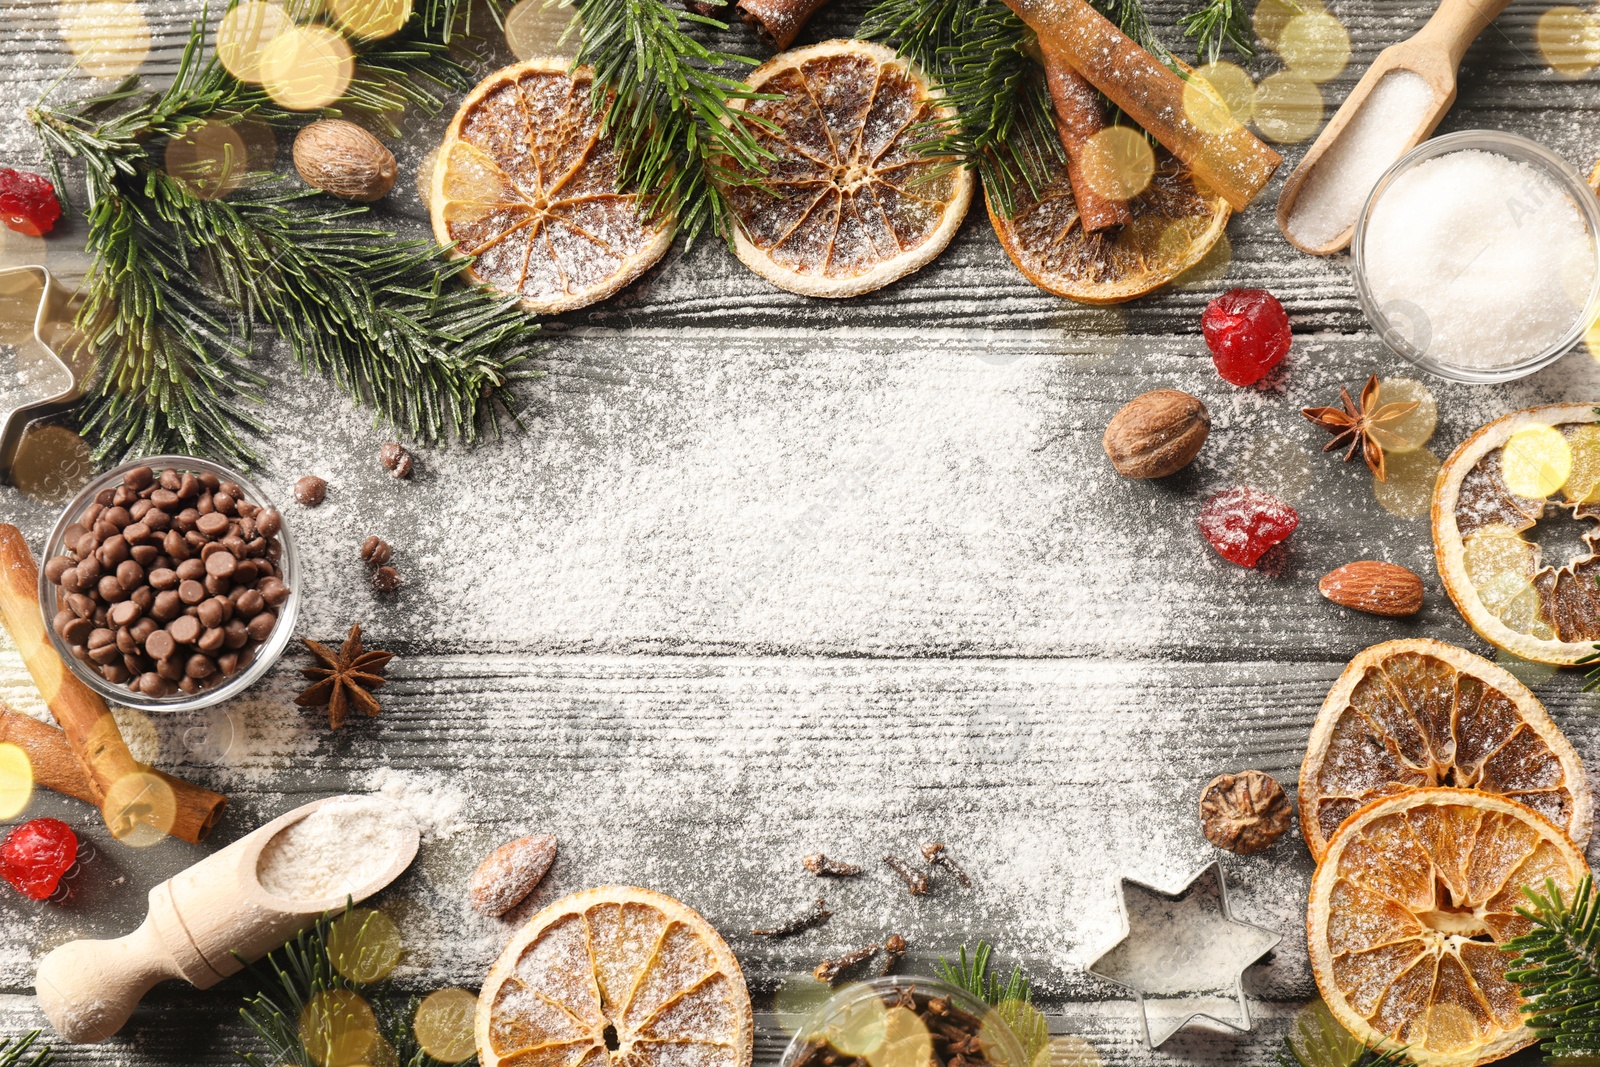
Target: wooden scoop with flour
column 208, row 920
column 1432, row 55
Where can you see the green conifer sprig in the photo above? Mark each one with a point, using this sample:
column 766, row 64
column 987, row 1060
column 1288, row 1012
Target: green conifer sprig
column 179, row 282
column 1012, row 999
column 1558, row 971
column 12, row 1051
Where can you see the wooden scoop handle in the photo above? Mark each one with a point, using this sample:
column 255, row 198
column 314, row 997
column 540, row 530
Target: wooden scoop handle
column 1456, row 24
column 87, row 989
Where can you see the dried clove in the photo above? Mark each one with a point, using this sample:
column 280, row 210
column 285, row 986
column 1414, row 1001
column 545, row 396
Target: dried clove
column 916, row 882
column 813, row 916
column 939, row 856
column 820, row 865
column 830, row 969
column 893, row 949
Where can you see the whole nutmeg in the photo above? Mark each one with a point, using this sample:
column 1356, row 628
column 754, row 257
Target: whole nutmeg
column 1244, row 812
column 1156, row 434
column 341, row 158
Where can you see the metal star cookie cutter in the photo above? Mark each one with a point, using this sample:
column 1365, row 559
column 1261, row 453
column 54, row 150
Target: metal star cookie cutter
column 1183, row 955
column 43, row 374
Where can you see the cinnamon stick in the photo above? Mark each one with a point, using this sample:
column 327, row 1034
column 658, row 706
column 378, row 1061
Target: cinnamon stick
column 1079, row 116
column 1231, row 160
column 90, row 730
column 56, row 768
column 777, row 22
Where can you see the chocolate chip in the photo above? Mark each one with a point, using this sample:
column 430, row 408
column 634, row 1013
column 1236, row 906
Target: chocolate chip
column 168, row 605
column 152, row 684
column 124, row 614
column 163, row 578
column 144, row 555
column 138, row 478
column 199, row 666
column 185, row 629
column 261, row 626
column 191, row 592
column 76, row 631
column 310, row 491
column 110, row 589
column 268, row 523
column 88, row 572
column 211, row 640
column 160, row 644
column 212, row 525
column 211, row 612
column 130, row 575
column 55, row 568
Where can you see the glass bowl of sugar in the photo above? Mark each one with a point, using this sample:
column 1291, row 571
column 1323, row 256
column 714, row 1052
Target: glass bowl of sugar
column 1477, row 257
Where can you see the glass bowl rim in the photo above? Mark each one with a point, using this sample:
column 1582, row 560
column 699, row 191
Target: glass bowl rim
column 268, row 653
column 852, row 992
column 1523, row 150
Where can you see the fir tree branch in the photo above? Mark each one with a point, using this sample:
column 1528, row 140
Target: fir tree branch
column 1216, row 23
column 1559, row 971
column 179, row 281
column 670, row 115
column 1012, row 999
column 1320, row 1040
column 12, row 1051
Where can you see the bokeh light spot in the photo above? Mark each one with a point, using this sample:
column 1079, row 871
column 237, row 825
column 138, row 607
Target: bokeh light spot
column 1583, row 484
column 1069, row 1050
column 1569, row 40
column 16, row 780
column 243, row 35
column 858, row 1027
column 798, row 996
column 364, row 945
column 1536, row 461
column 443, row 1024
column 1525, row 671
column 209, row 160
column 371, row 19
column 51, row 465
column 906, row 1041
column 1407, row 492
column 543, row 28
column 110, row 37
column 1218, row 96
column 140, row 809
column 1213, row 266
column 338, row 1029
column 307, row 67
column 1118, row 162
column 1414, row 430
column 425, row 171
column 1287, row 107
column 1316, row 46
column 1271, row 17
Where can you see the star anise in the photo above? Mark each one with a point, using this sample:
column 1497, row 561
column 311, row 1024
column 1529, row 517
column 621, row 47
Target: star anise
column 345, row 679
column 1365, row 426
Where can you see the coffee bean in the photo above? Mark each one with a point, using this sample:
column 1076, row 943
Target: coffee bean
column 376, row 551
column 185, row 629
column 386, row 579
column 310, row 491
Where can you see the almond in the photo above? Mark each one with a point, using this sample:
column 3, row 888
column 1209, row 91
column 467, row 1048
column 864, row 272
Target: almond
column 510, row 872
column 1156, row 434
column 1374, row 587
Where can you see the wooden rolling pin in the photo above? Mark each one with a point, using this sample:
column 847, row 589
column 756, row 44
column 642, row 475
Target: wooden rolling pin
column 56, row 767
column 205, row 923
column 84, row 717
column 1230, row 159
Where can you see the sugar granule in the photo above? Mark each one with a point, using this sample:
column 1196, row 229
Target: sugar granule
column 1337, row 187
column 1486, row 256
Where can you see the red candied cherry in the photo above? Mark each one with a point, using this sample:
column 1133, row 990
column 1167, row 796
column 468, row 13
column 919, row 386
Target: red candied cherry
column 28, row 202
column 35, row 855
column 1247, row 331
column 1241, row 524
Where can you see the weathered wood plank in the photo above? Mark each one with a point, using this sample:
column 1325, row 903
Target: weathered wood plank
column 848, row 493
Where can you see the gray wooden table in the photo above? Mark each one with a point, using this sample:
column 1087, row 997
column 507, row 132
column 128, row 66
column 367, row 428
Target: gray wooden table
column 767, row 576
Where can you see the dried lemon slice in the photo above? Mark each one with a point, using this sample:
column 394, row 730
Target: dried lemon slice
column 615, row 975
column 1409, row 909
column 1530, row 466
column 526, row 183
column 1415, row 713
column 847, row 205
column 1176, row 221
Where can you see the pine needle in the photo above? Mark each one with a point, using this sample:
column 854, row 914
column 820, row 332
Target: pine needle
column 1012, row 999
column 670, row 115
column 178, row 283
column 1558, row 971
column 1320, row 1040
column 13, row 1049
column 1216, row 23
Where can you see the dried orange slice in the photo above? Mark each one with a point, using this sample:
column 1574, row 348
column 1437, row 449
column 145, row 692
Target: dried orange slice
column 1415, row 713
column 1533, row 467
column 846, row 206
column 1176, row 221
column 615, row 975
column 1407, row 913
column 526, row 183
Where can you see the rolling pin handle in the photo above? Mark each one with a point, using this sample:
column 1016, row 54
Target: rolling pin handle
column 88, row 989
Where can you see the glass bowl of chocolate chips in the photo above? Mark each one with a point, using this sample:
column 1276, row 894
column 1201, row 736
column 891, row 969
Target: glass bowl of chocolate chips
column 170, row 583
